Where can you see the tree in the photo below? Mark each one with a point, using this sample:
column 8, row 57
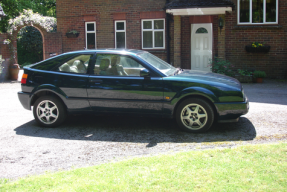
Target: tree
column 12, row 9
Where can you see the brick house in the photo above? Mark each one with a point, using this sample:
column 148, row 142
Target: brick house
column 186, row 33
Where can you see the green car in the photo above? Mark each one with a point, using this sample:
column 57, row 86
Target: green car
column 130, row 82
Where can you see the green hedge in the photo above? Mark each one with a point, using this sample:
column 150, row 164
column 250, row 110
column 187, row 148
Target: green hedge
column 29, row 46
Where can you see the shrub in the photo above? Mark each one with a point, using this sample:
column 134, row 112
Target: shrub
column 221, row 66
column 244, row 72
column 29, row 45
column 259, row 74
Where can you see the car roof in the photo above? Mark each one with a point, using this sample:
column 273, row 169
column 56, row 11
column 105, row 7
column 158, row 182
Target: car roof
column 115, row 51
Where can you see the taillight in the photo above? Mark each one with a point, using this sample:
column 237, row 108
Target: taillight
column 24, row 78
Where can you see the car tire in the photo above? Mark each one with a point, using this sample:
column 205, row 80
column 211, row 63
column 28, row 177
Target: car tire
column 49, row 111
column 194, row 115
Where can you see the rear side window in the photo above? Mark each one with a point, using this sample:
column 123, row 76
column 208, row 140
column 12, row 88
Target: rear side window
column 51, row 63
column 78, row 64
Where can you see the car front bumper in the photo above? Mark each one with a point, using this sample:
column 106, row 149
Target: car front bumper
column 24, row 99
column 228, row 112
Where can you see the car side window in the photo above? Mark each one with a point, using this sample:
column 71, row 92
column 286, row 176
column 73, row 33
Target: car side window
column 116, row 65
column 50, row 63
column 78, row 64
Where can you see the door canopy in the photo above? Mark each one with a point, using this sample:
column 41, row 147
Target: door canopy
column 199, row 7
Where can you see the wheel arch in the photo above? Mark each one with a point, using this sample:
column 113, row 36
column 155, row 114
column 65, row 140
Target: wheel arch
column 46, row 92
column 199, row 96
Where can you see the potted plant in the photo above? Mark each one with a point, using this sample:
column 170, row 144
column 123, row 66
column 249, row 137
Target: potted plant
column 244, row 76
column 257, row 47
column 259, row 75
column 72, row 34
column 13, row 67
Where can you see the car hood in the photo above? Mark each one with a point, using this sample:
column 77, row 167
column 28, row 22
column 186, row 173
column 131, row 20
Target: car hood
column 210, row 77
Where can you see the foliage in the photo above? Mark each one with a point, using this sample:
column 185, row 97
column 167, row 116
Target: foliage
column 6, row 41
column 29, row 46
column 259, row 74
column 222, row 67
column 28, row 17
column 243, row 168
column 73, row 31
column 13, row 8
column 244, row 72
column 257, row 44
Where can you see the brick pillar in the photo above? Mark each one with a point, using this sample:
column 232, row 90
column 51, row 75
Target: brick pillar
column 177, row 41
column 221, row 39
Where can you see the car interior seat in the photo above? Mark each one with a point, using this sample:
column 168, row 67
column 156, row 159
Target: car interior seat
column 115, row 60
column 116, row 68
column 80, row 66
column 73, row 67
column 65, row 67
column 104, row 65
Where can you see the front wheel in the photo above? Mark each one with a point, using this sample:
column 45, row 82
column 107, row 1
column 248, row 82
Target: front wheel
column 194, row 115
column 49, row 111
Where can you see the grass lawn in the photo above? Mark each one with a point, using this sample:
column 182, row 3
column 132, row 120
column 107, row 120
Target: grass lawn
column 244, row 168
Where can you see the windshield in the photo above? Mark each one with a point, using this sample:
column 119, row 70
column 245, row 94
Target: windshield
column 161, row 65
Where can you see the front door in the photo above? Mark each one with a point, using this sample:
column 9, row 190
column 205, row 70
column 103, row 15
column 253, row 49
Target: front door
column 115, row 85
column 201, row 46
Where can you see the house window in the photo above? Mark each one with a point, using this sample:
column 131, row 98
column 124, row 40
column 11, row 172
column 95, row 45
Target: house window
column 201, row 30
column 257, row 11
column 120, row 34
column 90, row 35
column 153, row 36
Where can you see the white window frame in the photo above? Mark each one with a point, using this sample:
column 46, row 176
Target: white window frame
column 86, row 31
column 153, row 31
column 250, row 14
column 120, row 21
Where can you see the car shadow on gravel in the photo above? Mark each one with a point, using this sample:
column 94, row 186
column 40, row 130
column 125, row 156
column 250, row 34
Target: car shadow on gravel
column 137, row 130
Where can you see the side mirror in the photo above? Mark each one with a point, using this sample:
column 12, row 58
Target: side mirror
column 144, row 73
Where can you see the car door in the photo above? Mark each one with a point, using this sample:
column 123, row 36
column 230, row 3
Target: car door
column 72, row 78
column 115, row 85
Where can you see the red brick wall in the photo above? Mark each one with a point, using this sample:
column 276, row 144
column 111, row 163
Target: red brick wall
column 215, row 36
column 185, row 43
column 273, row 63
column 4, row 49
column 53, row 44
column 70, row 15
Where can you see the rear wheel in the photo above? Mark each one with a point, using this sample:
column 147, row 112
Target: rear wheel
column 194, row 115
column 49, row 111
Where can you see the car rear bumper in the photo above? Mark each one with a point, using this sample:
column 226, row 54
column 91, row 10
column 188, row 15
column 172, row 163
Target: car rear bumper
column 231, row 111
column 24, row 99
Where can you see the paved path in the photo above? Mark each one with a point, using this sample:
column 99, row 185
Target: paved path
column 85, row 140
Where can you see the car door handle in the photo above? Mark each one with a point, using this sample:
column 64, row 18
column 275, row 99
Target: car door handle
column 96, row 81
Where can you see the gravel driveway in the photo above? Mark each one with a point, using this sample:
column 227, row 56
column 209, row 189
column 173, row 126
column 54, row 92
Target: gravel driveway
column 27, row 149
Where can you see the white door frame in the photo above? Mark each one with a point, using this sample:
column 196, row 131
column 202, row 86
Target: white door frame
column 201, row 47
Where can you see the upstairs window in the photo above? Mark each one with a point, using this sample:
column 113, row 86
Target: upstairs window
column 120, row 34
column 257, row 11
column 153, row 36
column 90, row 29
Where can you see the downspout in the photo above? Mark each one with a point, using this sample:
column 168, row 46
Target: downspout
column 168, row 35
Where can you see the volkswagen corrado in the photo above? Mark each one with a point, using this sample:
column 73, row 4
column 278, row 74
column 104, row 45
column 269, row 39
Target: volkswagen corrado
column 131, row 82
